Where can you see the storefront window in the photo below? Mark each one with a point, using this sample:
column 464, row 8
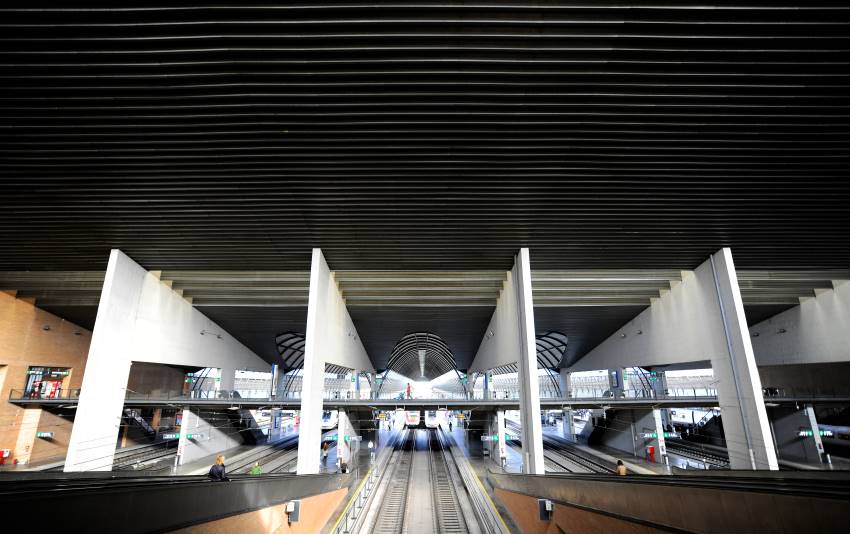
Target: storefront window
column 45, row 382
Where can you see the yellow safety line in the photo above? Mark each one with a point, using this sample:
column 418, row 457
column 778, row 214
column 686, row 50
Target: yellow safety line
column 352, row 499
column 484, row 491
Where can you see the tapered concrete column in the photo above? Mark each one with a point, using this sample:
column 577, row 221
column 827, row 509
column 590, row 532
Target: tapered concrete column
column 532, row 431
column 343, row 429
column 566, row 383
column 661, row 445
column 568, row 427
column 488, row 377
column 617, row 381
column 659, row 386
column 813, row 426
column 502, row 449
column 330, row 338
column 739, row 391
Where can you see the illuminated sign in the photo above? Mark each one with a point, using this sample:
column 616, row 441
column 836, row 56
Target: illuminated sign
column 654, row 435
column 195, row 436
column 810, row 434
column 171, row 435
column 45, row 435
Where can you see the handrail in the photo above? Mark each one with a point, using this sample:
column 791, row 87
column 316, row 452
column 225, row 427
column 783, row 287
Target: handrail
column 357, row 503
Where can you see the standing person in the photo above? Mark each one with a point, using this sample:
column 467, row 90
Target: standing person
column 326, row 448
column 450, row 425
column 217, row 471
column 256, row 469
column 408, row 391
column 621, row 468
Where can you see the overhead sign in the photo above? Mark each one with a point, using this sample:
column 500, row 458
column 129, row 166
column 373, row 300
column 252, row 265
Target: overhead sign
column 171, row 435
column 45, row 435
column 654, row 435
column 809, row 433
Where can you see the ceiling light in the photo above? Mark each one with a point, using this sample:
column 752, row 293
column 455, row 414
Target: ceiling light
column 755, row 334
column 622, row 335
column 46, row 327
column 781, row 331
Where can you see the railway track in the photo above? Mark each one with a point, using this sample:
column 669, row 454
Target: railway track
column 449, row 515
column 572, row 461
column 697, row 453
column 265, row 456
column 392, row 514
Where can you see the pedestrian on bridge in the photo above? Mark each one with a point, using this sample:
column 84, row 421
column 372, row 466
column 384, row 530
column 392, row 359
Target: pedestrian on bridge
column 257, row 469
column 326, row 448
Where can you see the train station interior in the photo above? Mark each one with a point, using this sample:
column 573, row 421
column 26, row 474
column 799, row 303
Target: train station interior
column 456, row 267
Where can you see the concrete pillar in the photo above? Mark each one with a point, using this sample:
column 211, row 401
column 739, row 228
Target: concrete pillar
column 813, row 426
column 330, row 338
column 502, row 450
column 568, row 427
column 739, row 394
column 487, row 379
column 343, row 429
column 228, row 379
column 532, row 431
column 140, row 319
column 355, row 385
column 313, row 378
column 659, row 384
column 660, row 445
column 566, row 383
column 617, row 381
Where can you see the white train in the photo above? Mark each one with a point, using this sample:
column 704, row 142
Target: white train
column 412, row 419
column 329, row 419
column 432, row 419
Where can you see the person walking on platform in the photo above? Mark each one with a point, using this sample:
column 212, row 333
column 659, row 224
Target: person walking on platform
column 326, row 449
column 256, row 469
column 408, row 391
column 621, row 468
column 217, row 471
column 450, row 425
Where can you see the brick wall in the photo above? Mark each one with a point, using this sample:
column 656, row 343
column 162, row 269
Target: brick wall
column 25, row 343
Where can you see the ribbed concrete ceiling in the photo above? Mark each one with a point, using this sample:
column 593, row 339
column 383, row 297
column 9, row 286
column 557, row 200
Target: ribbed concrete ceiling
column 425, row 135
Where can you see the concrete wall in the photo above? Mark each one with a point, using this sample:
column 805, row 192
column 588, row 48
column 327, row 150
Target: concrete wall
column 816, row 331
column 219, row 434
column 500, row 345
column 786, row 423
column 316, row 513
column 330, row 338
column 524, row 512
column 682, row 326
column 701, row 318
column 156, row 379
column 808, row 379
column 140, row 319
column 24, row 343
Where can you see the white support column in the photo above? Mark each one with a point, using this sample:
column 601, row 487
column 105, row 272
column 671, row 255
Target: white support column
column 739, row 393
column 141, row 319
column 500, row 431
column 330, row 338
column 488, row 386
column 566, row 383
column 617, row 381
column 532, row 431
column 313, row 377
column 343, row 428
column 568, row 427
column 661, row 451
column 813, row 425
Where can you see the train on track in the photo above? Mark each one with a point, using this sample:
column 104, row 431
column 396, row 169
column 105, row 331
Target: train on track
column 329, row 419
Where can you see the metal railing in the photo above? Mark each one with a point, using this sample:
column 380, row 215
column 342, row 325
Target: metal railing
column 358, row 502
